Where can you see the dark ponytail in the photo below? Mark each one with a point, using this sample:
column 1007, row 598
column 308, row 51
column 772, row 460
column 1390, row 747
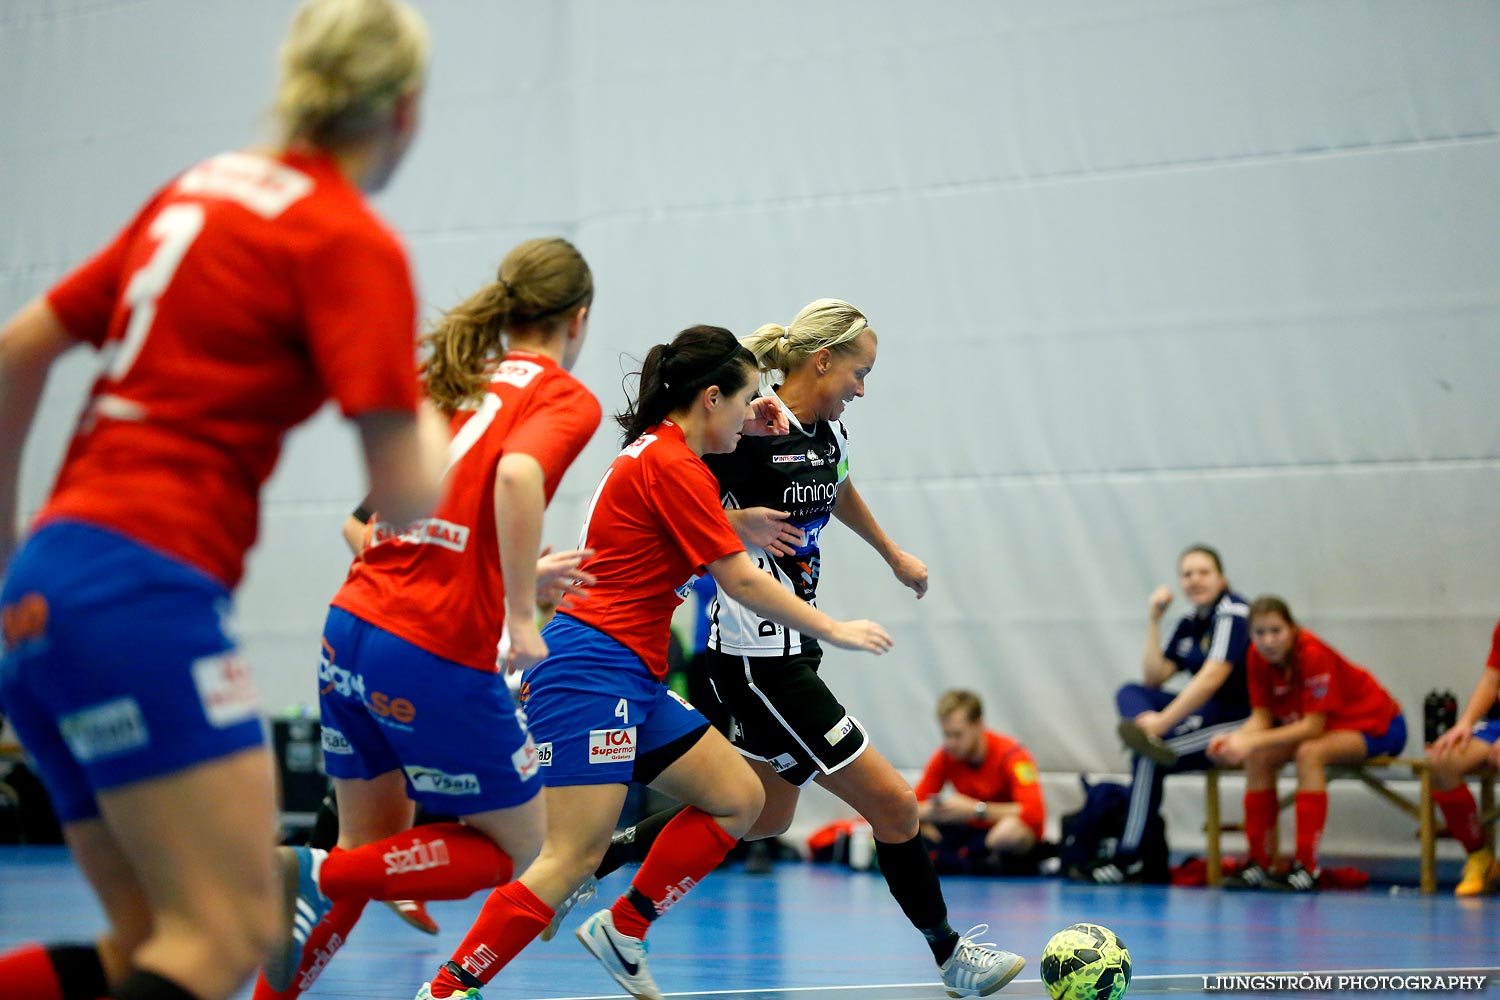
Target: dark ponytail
column 673, row 374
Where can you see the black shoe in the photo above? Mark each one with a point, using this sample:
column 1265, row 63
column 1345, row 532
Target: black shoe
column 1252, row 876
column 1117, row 871
column 1299, row 879
column 1148, row 746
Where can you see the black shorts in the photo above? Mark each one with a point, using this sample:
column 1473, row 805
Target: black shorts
column 784, row 714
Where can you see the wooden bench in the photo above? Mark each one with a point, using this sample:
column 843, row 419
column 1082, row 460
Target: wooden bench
column 1375, row 773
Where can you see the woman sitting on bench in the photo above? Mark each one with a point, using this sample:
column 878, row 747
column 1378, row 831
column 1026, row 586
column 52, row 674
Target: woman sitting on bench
column 1311, row 705
column 1469, row 745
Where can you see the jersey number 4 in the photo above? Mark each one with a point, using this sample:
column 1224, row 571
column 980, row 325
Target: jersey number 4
column 176, row 228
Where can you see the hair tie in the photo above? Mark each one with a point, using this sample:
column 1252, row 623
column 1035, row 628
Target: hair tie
column 785, row 344
column 510, row 291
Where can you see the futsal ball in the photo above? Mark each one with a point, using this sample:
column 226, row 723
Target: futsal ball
column 1085, row 962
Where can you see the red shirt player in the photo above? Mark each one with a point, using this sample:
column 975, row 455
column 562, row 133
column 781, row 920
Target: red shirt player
column 245, row 293
column 413, row 703
column 996, row 811
column 1310, row 704
column 1473, row 742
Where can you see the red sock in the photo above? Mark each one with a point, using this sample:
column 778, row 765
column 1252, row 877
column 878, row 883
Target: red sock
column 1462, row 816
column 27, row 974
column 440, row 861
column 511, row 918
column 324, row 941
column 686, row 850
column 1312, row 816
column 1260, row 825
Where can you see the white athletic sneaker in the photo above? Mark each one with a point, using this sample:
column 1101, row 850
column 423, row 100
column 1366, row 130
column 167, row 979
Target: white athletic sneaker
column 977, row 970
column 305, row 907
column 623, row 957
column 425, row 993
column 588, row 890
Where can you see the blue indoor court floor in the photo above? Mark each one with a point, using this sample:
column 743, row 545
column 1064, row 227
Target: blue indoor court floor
column 811, row 932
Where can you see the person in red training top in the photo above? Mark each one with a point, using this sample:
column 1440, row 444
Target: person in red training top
column 413, row 704
column 597, row 705
column 1308, row 704
column 993, row 819
column 249, row 290
column 1469, row 745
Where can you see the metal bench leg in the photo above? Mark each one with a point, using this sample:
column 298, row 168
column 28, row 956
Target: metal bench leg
column 1211, row 823
column 1427, row 835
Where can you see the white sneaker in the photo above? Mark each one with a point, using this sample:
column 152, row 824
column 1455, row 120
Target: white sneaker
column 623, row 957
column 425, row 993
column 306, row 906
column 977, row 970
column 588, row 890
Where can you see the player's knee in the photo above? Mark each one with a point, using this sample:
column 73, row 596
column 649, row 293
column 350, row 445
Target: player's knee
column 743, row 802
column 1310, row 754
column 896, row 821
column 1010, row 837
column 1130, row 700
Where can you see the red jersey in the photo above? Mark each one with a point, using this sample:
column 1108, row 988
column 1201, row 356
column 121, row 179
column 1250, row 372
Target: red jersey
column 438, row 584
column 1320, row 681
column 1007, row 774
column 243, row 295
column 1494, row 658
column 655, row 522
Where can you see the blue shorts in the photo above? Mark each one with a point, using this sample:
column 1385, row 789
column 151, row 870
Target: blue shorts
column 453, row 731
column 1487, row 730
column 597, row 712
column 1391, row 742
column 117, row 665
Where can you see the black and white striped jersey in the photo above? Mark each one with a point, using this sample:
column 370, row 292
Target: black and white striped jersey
column 799, row 473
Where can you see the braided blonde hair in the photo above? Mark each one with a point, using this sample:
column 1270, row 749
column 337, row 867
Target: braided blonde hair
column 826, row 323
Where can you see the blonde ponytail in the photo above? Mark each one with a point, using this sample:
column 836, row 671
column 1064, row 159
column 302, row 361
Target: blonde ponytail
column 830, row 324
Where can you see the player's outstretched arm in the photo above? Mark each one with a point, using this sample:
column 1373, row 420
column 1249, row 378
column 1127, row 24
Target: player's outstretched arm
column 851, row 509
column 745, row 583
column 33, row 339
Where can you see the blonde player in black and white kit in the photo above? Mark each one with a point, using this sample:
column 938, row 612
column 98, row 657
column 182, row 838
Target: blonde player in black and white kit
column 780, row 493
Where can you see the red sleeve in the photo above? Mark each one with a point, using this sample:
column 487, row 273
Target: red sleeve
column 556, row 429
column 85, row 300
column 934, row 778
column 1320, row 676
column 361, row 317
column 1257, row 679
column 1027, row 789
column 686, row 496
column 1494, row 661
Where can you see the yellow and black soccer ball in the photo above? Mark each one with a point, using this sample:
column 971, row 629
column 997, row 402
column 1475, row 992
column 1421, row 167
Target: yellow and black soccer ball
column 1086, row 962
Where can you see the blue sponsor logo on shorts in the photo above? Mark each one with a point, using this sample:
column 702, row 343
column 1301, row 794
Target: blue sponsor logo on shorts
column 335, row 741
column 106, row 730
column 430, row 779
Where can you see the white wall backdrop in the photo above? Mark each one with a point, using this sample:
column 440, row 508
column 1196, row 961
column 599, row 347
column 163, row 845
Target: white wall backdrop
column 1146, row 272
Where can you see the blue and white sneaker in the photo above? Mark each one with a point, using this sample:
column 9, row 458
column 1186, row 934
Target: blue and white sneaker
column 978, row 969
column 588, row 890
column 306, row 906
column 622, row 956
